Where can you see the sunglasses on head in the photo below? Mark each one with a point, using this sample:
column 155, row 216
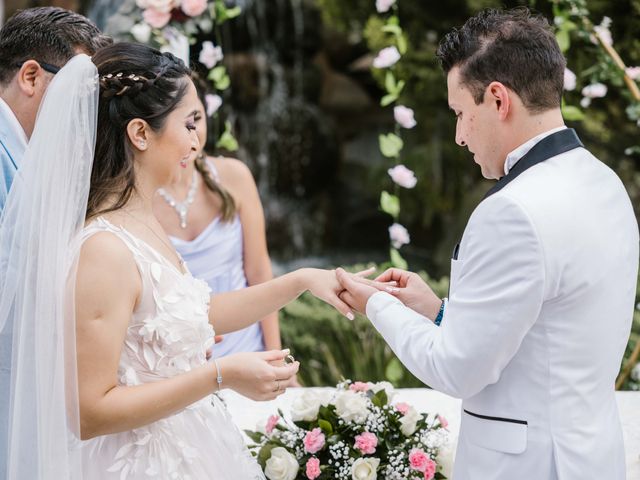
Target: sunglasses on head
column 47, row 67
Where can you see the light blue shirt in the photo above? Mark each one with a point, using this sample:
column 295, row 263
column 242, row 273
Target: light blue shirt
column 13, row 143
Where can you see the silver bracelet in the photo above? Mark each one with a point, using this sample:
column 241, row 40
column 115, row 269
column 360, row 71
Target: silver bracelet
column 219, row 374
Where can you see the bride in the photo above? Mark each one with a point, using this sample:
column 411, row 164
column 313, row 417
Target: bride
column 110, row 378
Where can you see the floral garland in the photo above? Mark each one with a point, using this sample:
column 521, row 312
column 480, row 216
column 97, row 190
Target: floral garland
column 171, row 26
column 354, row 432
column 391, row 144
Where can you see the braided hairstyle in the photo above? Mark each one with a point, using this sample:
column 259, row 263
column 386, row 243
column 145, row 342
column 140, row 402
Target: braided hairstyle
column 136, row 81
column 229, row 207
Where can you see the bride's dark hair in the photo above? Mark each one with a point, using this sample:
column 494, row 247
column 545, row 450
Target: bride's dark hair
column 136, row 81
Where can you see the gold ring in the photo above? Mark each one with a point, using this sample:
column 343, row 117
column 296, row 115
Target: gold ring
column 277, row 386
column 289, row 359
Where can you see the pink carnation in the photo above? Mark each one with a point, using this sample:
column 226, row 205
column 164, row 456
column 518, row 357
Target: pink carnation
column 314, row 440
column 359, row 387
column 155, row 18
column 193, row 8
column 633, row 73
column 313, row 468
column 366, row 442
column 443, row 421
column 271, row 423
column 418, row 459
column 430, row 470
column 402, row 407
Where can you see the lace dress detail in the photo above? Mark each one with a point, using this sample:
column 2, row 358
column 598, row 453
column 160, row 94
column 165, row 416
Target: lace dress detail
column 169, row 334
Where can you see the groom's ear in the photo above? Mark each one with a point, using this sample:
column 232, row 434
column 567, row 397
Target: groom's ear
column 138, row 133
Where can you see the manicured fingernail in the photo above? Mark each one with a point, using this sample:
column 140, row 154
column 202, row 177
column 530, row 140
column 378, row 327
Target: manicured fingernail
column 286, row 351
column 392, row 289
column 350, row 316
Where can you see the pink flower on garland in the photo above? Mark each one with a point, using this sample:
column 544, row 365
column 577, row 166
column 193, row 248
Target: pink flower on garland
column 443, row 421
column 193, row 8
column 271, row 423
column 402, row 407
column 155, row 18
column 366, row 442
column 314, row 440
column 313, row 468
column 359, row 387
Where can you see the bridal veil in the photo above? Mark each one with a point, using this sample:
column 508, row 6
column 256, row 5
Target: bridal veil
column 44, row 213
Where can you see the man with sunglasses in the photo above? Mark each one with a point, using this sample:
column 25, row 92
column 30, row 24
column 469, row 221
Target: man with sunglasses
column 34, row 44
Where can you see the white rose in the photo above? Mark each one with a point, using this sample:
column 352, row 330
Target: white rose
column 352, row 407
column 365, row 469
column 306, row 406
column 446, row 457
column 409, row 422
column 281, row 465
column 141, row 32
column 386, row 386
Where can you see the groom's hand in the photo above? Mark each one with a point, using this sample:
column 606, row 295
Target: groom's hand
column 411, row 290
column 356, row 290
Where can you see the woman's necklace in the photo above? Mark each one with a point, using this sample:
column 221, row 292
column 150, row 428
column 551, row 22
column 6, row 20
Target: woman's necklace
column 169, row 247
column 182, row 208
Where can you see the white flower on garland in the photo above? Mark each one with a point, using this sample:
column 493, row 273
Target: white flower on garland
column 306, row 406
column 141, row 32
column 383, row 6
column 409, row 422
column 569, row 80
column 595, row 90
column 633, row 72
column 604, row 31
column 210, row 55
column 635, row 373
column 399, row 235
column 281, row 465
column 386, row 386
column 386, row 58
column 365, row 469
column 403, row 176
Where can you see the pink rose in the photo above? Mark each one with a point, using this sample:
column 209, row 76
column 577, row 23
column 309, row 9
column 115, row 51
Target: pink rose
column 313, row 468
column 569, row 80
column 404, row 116
column 383, row 6
column 156, row 18
column 271, row 423
column 210, row 55
column 402, row 407
column 418, row 459
column 214, row 102
column 366, row 442
column 359, row 387
column 430, row 470
column 314, row 440
column 443, row 421
column 386, row 58
column 193, row 8
column 595, row 90
column 633, row 72
column 403, row 176
column 399, row 235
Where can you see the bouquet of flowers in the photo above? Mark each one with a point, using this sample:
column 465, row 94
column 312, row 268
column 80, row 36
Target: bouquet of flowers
column 354, row 432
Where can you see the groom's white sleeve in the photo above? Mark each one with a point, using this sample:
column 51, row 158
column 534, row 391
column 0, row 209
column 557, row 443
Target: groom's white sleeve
column 498, row 285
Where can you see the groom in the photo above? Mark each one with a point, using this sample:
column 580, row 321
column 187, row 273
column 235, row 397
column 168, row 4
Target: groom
column 542, row 283
column 34, row 44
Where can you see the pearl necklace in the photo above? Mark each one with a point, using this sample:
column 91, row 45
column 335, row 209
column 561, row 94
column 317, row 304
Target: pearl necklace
column 182, row 208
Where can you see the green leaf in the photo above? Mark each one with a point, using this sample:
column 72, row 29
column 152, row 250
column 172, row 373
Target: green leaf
column 255, row 436
column 400, row 85
column 223, row 83
column 397, row 260
column 227, row 140
column 380, row 399
column 394, row 371
column 402, row 44
column 395, row 29
column 265, row 454
column 390, row 145
column 388, row 99
column 572, row 114
column 216, row 73
column 563, row 39
column 325, row 426
column 390, row 204
column 390, row 82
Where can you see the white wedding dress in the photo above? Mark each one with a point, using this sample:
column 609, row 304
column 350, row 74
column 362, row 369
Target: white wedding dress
column 168, row 335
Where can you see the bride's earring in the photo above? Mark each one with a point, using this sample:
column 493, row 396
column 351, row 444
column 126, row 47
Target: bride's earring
column 142, row 144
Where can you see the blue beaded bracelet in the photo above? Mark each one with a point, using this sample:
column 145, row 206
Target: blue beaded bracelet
column 438, row 319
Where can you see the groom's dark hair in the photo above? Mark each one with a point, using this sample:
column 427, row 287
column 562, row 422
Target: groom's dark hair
column 513, row 47
column 48, row 35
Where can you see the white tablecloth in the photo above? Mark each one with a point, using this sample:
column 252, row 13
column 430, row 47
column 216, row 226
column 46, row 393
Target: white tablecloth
column 248, row 414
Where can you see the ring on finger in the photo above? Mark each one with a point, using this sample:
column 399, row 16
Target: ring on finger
column 289, row 359
column 277, row 386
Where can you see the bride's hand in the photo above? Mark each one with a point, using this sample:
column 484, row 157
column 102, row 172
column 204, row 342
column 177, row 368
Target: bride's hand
column 324, row 285
column 258, row 375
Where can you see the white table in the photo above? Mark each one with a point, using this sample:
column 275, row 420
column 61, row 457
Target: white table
column 248, row 414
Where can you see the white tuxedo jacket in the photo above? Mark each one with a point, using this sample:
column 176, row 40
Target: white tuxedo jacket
column 539, row 314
